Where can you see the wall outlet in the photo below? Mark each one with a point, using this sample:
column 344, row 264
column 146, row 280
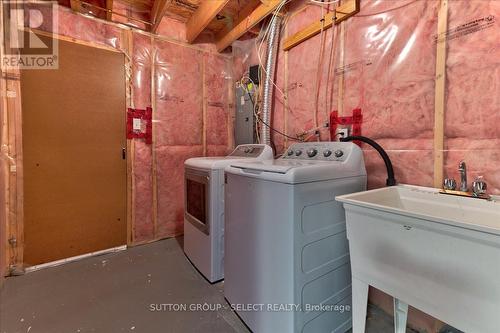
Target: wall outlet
column 342, row 132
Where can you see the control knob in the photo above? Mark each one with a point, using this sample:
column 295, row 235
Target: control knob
column 290, row 152
column 327, row 153
column 312, row 152
column 298, row 152
column 339, row 153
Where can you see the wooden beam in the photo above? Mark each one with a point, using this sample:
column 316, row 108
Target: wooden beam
column 109, row 7
column 439, row 94
column 204, row 107
column 157, row 12
column 202, row 17
column 128, row 48
column 341, row 80
column 341, row 13
column 76, row 5
column 225, row 38
column 239, row 17
column 154, row 130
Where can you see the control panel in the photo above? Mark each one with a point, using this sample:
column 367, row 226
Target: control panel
column 250, row 150
column 319, row 151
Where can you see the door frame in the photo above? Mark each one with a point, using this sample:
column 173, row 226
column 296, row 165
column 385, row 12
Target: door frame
column 12, row 155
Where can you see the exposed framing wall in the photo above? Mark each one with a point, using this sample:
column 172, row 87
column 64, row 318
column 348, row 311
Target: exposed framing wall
column 11, row 146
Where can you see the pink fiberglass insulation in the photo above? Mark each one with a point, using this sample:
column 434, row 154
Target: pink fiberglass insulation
column 178, row 121
column 131, row 16
column 301, row 87
column 218, row 86
column 178, row 93
column 389, row 71
column 82, row 28
column 472, row 127
column 170, row 176
column 172, row 29
column 244, row 56
column 187, row 82
column 307, row 92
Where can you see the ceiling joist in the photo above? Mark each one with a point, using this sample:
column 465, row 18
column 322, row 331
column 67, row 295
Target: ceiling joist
column 75, row 5
column 109, row 7
column 202, row 17
column 157, row 12
column 225, row 38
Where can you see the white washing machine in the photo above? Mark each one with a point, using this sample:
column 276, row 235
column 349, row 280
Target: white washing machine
column 204, row 207
column 287, row 256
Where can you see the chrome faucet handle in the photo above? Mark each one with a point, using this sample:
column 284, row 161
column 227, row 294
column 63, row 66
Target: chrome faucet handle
column 462, row 168
column 450, row 184
column 479, row 186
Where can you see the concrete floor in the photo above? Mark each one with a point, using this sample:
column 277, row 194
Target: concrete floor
column 115, row 293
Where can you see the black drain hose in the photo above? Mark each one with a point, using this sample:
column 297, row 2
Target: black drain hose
column 391, row 181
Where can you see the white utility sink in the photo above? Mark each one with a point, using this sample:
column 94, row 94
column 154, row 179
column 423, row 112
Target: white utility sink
column 436, row 252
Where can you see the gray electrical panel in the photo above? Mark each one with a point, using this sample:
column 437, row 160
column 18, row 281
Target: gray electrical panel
column 244, row 125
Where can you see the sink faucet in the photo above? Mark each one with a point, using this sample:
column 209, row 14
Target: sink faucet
column 478, row 190
column 462, row 168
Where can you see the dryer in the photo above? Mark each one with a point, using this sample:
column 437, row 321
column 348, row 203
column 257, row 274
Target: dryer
column 286, row 248
column 204, row 207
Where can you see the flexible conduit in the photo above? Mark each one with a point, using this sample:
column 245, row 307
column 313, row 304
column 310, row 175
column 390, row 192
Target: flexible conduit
column 267, row 100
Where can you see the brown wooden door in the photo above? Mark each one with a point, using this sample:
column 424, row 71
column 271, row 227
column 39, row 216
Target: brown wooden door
column 74, row 172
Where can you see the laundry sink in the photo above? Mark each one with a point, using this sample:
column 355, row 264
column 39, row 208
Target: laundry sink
column 436, row 252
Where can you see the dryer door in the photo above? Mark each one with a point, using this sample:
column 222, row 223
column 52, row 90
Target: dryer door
column 197, row 199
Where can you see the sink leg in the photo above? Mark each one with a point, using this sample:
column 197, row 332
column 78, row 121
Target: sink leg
column 400, row 316
column 359, row 304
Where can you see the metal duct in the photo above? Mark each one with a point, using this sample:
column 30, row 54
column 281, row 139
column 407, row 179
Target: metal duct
column 267, row 100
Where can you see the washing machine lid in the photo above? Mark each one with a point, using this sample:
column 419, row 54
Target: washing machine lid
column 254, row 152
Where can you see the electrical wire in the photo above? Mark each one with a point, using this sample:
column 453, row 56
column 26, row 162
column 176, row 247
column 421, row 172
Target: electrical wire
column 266, row 124
column 244, row 86
column 263, row 35
column 319, row 72
column 259, row 44
column 281, row 133
column 331, row 71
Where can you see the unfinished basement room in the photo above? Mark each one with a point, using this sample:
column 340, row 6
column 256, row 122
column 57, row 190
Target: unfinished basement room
column 238, row 166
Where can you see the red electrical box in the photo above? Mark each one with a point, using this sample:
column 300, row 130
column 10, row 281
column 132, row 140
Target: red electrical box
column 140, row 124
column 355, row 121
